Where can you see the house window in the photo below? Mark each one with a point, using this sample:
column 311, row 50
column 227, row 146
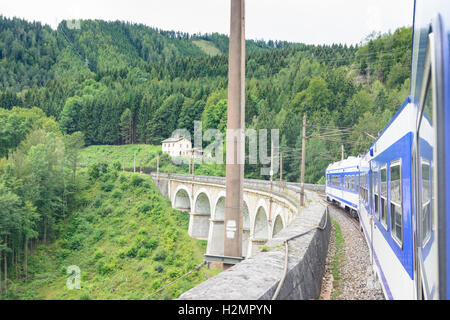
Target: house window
column 395, row 182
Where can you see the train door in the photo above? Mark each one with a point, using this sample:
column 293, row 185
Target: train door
column 372, row 207
column 427, row 220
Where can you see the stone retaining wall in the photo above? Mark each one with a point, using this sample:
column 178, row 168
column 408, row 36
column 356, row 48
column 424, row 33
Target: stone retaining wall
column 257, row 277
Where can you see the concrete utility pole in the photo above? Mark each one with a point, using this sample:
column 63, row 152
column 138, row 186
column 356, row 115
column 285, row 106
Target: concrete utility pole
column 342, row 152
column 190, row 164
column 271, row 163
column 157, row 167
column 281, row 166
column 235, row 144
column 302, row 173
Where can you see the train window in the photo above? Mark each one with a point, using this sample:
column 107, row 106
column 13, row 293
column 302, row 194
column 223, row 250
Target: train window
column 360, row 187
column 367, row 188
column 361, row 190
column 426, row 200
column 357, row 183
column 426, row 143
column 366, row 180
column 395, row 183
column 383, row 197
column 376, row 194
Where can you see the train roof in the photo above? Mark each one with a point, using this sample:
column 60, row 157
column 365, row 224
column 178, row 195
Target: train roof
column 350, row 162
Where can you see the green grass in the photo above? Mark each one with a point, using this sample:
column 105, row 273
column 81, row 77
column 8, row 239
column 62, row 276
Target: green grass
column 338, row 259
column 124, row 154
column 126, row 239
column 146, row 156
column 207, row 47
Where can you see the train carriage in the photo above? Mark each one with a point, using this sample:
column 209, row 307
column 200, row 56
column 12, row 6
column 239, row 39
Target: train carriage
column 341, row 184
column 403, row 181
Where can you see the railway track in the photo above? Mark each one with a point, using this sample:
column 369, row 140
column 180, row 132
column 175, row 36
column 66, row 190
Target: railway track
column 356, row 279
column 343, row 213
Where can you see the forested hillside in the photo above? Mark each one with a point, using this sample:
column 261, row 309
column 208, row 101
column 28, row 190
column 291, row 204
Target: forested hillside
column 117, row 83
column 121, row 83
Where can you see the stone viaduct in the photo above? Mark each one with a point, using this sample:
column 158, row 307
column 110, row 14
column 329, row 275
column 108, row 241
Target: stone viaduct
column 268, row 208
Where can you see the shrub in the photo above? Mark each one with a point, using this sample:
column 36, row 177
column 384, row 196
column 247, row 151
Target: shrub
column 85, row 296
column 103, row 268
column 94, row 171
column 142, row 231
column 117, row 166
column 108, row 210
column 123, row 178
column 145, row 207
column 98, row 254
column 151, row 243
column 123, row 253
column 142, row 253
column 156, row 284
column 98, row 235
column 76, row 242
column 98, row 203
column 132, row 252
column 116, row 194
column 160, row 255
column 159, row 268
column 107, row 186
column 136, row 181
column 63, row 254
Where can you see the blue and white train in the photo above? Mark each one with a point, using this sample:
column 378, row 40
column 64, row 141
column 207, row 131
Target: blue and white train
column 400, row 188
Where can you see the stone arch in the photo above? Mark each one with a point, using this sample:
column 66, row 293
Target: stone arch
column 181, row 199
column 202, row 203
column 219, row 207
column 261, row 224
column 278, row 225
column 216, row 227
column 200, row 215
column 245, row 228
column 245, row 216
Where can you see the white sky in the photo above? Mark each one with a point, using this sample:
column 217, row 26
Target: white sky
column 307, row 21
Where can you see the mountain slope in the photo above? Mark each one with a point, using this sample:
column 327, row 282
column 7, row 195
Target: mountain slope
column 125, row 238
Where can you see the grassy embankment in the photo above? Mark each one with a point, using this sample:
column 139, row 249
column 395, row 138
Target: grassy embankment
column 145, row 157
column 125, row 238
column 338, row 259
